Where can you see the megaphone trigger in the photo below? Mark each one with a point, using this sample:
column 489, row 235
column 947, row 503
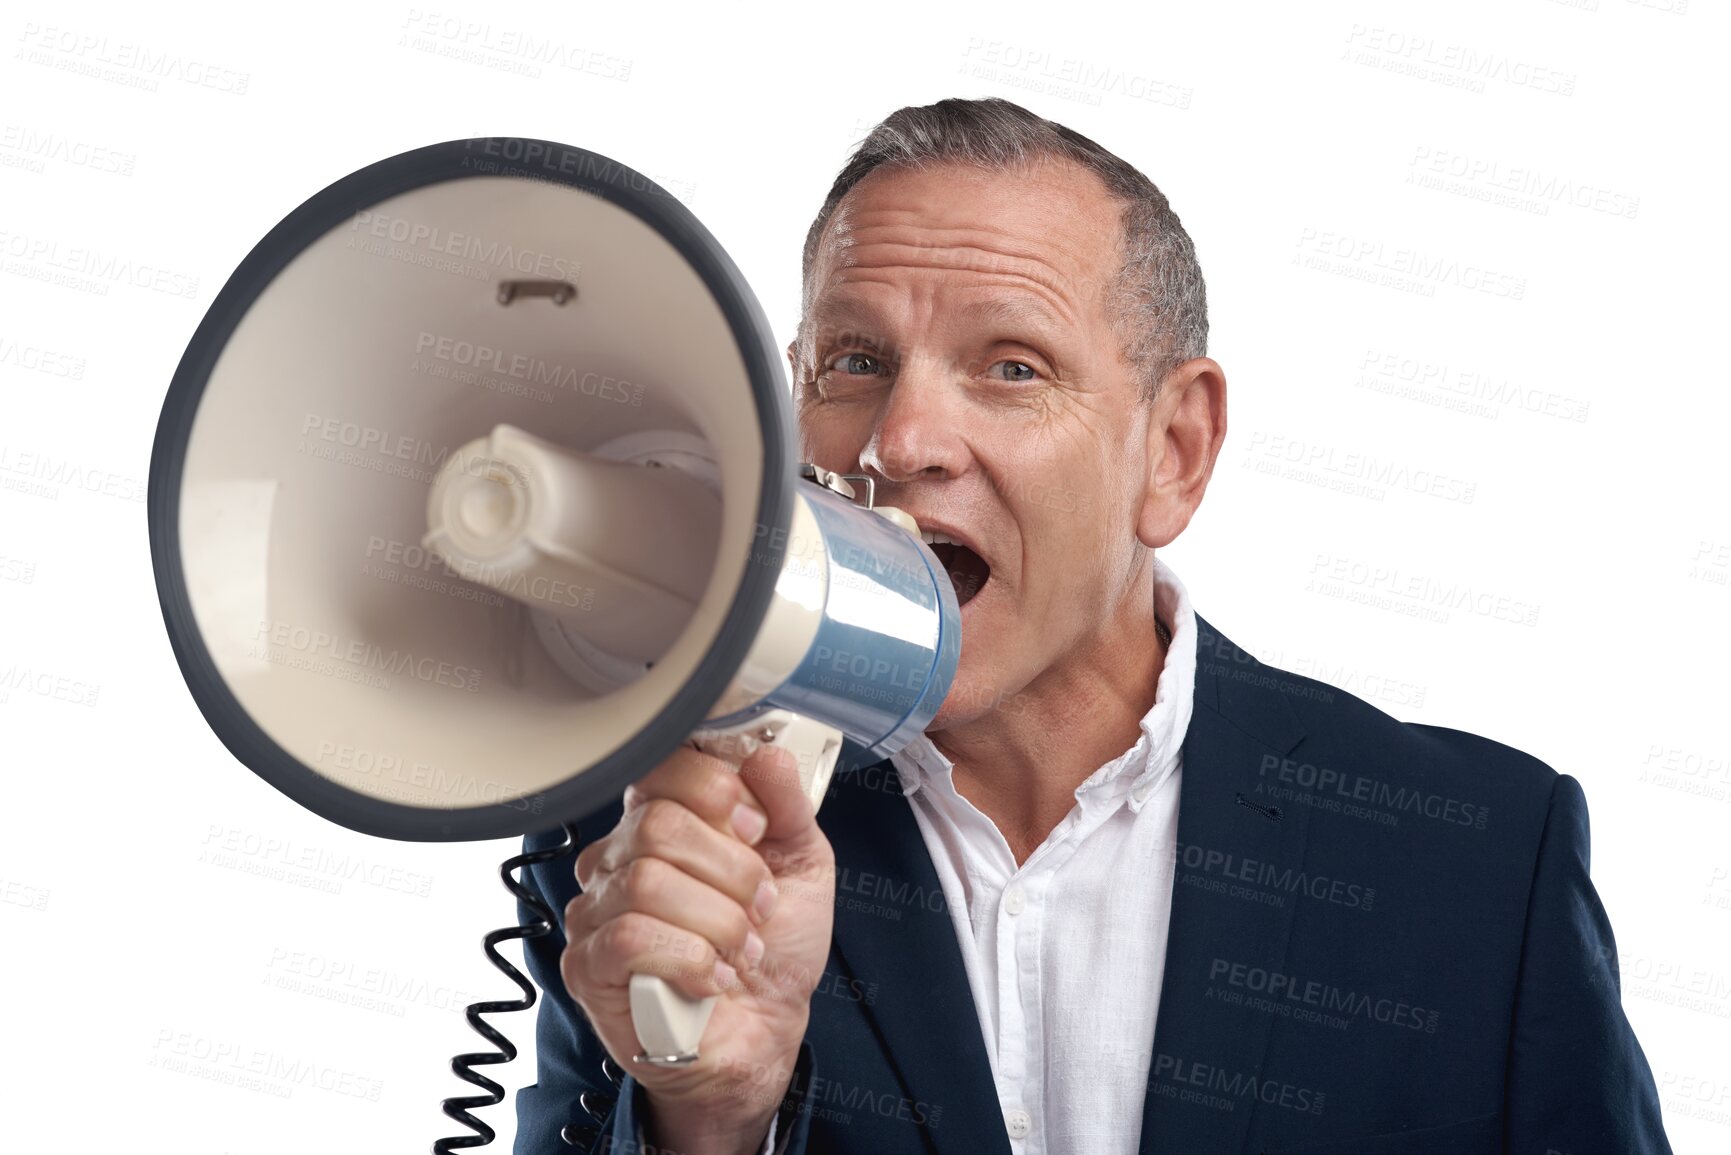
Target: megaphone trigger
column 814, row 745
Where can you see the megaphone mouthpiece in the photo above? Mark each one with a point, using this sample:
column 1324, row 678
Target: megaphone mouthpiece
column 621, row 552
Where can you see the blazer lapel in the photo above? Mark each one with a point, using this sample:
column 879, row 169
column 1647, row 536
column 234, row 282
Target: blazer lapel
column 892, row 924
column 1224, row 906
column 890, row 910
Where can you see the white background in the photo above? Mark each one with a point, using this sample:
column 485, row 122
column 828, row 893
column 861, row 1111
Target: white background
column 1549, row 174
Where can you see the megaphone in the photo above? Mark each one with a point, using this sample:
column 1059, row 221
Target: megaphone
column 475, row 494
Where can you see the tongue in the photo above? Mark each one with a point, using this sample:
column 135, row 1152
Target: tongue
column 968, row 570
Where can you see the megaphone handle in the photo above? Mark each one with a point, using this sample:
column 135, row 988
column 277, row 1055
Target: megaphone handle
column 670, row 1025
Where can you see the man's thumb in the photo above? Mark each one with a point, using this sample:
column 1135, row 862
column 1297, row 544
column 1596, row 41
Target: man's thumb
column 772, row 774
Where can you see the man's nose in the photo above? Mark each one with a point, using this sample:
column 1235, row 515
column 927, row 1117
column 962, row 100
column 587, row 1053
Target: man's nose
column 917, row 434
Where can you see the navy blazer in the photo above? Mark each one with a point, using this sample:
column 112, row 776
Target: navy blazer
column 1383, row 940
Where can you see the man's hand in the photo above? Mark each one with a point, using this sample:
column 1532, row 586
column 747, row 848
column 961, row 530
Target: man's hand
column 722, row 884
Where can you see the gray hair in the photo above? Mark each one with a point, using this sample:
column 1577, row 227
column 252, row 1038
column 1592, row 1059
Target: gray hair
column 1157, row 301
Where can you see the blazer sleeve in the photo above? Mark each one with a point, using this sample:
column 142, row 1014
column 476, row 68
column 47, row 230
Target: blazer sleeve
column 1578, row 1081
column 582, row 1102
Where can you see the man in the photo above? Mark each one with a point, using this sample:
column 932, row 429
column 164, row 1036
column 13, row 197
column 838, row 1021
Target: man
column 1134, row 890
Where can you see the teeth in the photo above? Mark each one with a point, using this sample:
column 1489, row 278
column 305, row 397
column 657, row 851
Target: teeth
column 931, row 538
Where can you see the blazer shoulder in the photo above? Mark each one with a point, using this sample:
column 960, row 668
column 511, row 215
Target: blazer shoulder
column 1348, row 736
column 1342, row 721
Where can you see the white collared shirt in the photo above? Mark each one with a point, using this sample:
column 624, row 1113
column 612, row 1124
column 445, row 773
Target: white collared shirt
column 1065, row 954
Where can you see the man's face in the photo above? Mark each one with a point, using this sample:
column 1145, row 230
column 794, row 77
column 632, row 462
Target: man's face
column 959, row 350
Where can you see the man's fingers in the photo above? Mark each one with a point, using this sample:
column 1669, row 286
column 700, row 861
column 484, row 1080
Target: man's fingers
column 664, row 829
column 636, row 943
column 657, row 888
column 707, row 786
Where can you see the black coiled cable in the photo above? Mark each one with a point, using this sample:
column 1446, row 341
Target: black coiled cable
column 463, row 1066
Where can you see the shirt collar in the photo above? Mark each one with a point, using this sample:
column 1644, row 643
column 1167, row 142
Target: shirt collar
column 1138, row 771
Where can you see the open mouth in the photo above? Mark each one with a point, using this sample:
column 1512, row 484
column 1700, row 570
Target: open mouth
column 969, row 572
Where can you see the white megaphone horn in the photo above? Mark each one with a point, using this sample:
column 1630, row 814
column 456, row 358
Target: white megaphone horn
column 475, row 494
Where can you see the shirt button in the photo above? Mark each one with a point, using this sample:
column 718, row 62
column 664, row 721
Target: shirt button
column 1018, row 1122
column 1013, row 901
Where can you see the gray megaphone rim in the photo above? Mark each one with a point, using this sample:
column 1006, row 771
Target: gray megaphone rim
column 603, row 782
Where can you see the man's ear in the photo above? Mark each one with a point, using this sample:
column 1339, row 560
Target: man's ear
column 1186, row 428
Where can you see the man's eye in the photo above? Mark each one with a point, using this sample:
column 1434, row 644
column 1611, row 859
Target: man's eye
column 1016, row 371
column 857, row 364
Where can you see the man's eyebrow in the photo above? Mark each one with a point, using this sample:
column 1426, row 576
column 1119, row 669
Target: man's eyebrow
column 845, row 310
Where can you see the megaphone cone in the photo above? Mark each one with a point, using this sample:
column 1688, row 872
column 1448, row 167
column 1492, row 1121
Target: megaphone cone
column 474, row 494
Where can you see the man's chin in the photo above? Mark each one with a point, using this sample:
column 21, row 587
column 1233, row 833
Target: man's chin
column 975, row 693
column 981, row 685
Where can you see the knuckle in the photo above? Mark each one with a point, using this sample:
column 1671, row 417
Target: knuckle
column 624, row 935
column 684, row 947
column 664, row 823
column 744, row 871
column 643, row 880
column 699, row 951
column 715, row 793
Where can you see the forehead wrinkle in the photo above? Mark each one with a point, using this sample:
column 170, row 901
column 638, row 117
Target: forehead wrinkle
column 1014, row 231
column 971, row 252
column 929, row 224
column 932, row 237
column 1013, row 308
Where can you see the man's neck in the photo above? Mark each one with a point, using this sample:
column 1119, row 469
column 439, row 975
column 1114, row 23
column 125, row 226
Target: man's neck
column 1020, row 764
